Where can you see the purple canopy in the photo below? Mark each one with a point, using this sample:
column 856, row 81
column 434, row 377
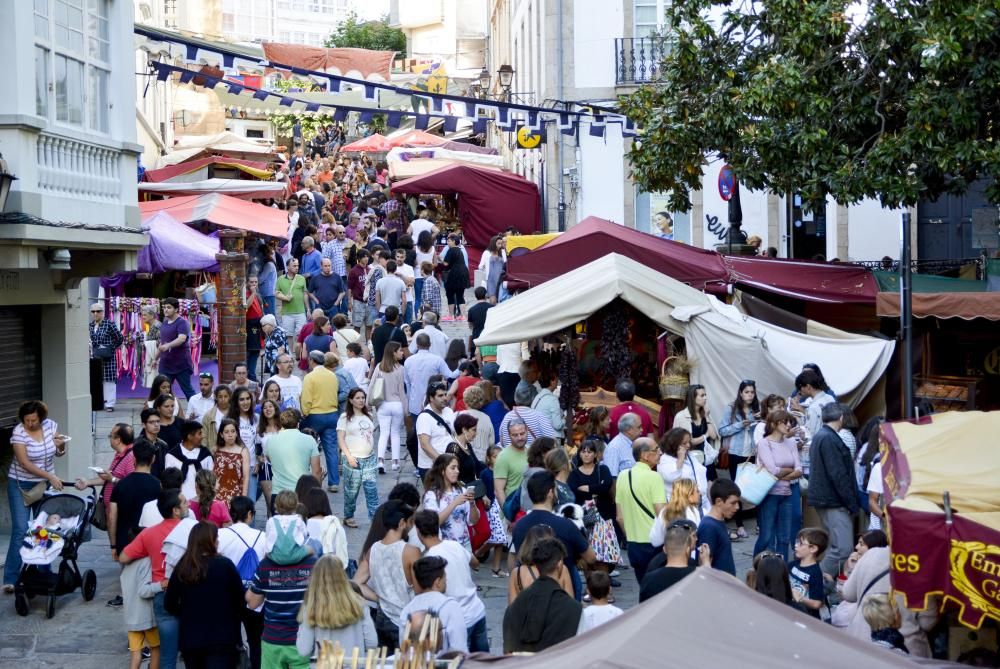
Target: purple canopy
column 175, row 246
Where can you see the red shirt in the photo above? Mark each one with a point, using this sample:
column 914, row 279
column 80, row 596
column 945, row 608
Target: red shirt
column 306, row 330
column 218, row 514
column 356, row 282
column 620, row 410
column 149, row 544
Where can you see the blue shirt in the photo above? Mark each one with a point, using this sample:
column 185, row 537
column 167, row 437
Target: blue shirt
column 417, row 371
column 311, row 263
column 618, row 455
column 283, row 587
column 267, row 279
column 714, row 533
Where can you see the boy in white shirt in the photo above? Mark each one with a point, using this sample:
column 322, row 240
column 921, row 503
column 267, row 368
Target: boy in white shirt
column 600, row 610
column 356, row 365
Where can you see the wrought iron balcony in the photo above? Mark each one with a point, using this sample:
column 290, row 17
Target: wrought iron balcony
column 638, row 60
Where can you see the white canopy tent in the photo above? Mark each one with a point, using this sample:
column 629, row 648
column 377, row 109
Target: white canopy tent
column 726, row 345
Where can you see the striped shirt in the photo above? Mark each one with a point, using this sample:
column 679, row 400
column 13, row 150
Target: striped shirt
column 283, row 587
column 41, row 454
column 537, row 422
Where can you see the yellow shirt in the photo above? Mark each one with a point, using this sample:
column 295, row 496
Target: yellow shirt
column 319, row 392
column 648, row 487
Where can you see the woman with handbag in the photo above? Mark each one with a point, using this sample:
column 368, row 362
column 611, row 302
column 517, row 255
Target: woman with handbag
column 737, row 430
column 388, row 397
column 592, row 481
column 695, row 419
column 676, row 462
column 778, row 453
column 36, row 443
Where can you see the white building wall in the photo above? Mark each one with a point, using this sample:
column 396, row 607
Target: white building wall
column 602, row 176
column 595, row 27
column 874, row 231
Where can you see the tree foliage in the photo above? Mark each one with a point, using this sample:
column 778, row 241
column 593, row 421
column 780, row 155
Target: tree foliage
column 374, row 35
column 891, row 99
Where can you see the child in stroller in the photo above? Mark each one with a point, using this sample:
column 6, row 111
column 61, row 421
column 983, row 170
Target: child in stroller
column 61, row 525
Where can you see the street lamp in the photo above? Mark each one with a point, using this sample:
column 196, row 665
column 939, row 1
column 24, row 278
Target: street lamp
column 506, row 76
column 6, row 181
column 474, row 89
column 484, row 79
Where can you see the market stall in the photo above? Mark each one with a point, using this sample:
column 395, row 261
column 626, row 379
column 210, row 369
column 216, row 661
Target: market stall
column 724, row 345
column 940, row 480
column 223, row 211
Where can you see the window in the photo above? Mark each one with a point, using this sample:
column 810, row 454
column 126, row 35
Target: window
column 255, row 133
column 73, row 62
column 650, row 16
column 228, row 23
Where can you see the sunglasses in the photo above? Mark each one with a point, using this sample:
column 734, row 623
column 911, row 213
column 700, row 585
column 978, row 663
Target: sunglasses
column 205, row 375
column 437, row 386
column 749, row 382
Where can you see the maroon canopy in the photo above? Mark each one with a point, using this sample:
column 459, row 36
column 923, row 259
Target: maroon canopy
column 594, row 237
column 489, row 201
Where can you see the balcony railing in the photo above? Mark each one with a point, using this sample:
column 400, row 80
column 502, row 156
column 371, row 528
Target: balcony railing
column 638, row 60
column 74, row 168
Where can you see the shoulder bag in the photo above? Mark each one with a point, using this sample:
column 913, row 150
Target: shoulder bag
column 440, row 421
column 641, row 505
column 376, row 393
column 530, row 431
column 754, row 481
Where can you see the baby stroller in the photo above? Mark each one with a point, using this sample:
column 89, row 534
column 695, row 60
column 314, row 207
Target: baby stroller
column 61, row 540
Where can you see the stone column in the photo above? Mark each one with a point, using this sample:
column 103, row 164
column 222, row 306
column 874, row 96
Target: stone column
column 232, row 311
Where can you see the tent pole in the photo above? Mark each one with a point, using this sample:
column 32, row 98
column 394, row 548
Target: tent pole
column 906, row 314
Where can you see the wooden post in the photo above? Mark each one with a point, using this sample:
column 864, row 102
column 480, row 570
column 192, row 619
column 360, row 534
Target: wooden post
column 232, row 347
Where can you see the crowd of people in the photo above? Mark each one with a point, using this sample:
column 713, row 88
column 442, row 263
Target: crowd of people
column 499, row 484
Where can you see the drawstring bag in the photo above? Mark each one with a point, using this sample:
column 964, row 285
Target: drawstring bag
column 206, row 290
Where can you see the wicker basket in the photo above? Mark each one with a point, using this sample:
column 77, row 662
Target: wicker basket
column 673, row 385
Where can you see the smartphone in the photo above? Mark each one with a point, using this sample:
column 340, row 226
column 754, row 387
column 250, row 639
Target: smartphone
column 96, row 470
column 65, row 437
column 471, row 490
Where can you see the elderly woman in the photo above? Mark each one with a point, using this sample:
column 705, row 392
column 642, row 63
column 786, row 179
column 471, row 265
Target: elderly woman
column 150, row 344
column 105, row 339
column 275, row 342
column 36, row 443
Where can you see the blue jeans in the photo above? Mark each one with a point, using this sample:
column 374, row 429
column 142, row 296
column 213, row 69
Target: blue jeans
column 325, row 425
column 183, row 380
column 18, row 526
column 796, row 522
column 478, row 637
column 252, row 358
column 418, row 288
column 639, row 555
column 170, row 632
column 270, row 304
column 774, row 520
column 408, row 315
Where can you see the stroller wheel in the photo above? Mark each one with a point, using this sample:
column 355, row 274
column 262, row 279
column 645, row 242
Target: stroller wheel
column 21, row 603
column 50, row 606
column 89, row 585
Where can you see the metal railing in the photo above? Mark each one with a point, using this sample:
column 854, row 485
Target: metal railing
column 946, row 267
column 638, row 60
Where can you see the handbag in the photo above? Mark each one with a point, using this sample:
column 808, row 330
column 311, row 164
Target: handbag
column 711, row 453
column 206, row 290
column 479, row 533
column 34, row 494
column 100, row 517
column 104, row 352
column 376, row 393
column 754, row 481
column 604, row 542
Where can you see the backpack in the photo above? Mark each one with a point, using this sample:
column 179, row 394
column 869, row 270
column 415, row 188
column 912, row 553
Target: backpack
column 286, row 549
column 247, row 566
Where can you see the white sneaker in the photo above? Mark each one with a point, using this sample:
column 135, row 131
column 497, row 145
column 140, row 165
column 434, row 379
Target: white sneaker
column 395, row 466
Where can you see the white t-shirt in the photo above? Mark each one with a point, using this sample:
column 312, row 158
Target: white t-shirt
column 231, row 547
column 358, row 369
column 291, row 388
column 199, row 405
column 596, row 615
column 418, row 225
column 404, row 271
column 875, row 485
column 440, row 437
column 458, row 576
column 359, row 434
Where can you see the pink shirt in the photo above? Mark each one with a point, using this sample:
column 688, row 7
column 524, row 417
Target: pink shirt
column 620, row 410
column 775, row 456
column 218, row 514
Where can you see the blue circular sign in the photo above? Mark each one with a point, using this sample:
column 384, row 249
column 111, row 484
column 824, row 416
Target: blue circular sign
column 727, row 183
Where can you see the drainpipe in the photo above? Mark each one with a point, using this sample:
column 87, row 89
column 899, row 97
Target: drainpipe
column 559, row 86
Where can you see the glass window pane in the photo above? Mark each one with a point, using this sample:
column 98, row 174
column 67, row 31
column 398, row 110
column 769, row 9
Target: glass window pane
column 69, row 90
column 41, row 81
column 97, row 99
column 42, row 7
column 646, row 15
column 41, row 27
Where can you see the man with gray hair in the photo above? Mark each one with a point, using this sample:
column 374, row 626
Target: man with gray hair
column 105, row 338
column 832, row 488
column 538, row 423
column 618, row 454
column 438, row 340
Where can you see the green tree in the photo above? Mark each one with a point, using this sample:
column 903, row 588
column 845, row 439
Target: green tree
column 897, row 100
column 374, row 35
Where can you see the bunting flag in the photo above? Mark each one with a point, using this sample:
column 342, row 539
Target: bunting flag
column 507, row 115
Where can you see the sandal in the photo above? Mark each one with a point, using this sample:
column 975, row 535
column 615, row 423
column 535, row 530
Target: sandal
column 499, row 573
column 733, row 535
column 8, row 589
column 741, row 533
column 350, row 522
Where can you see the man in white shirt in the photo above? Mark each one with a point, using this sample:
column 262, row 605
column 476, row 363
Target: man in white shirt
column 434, row 427
column 438, row 339
column 199, row 404
column 291, row 385
column 809, row 385
column 429, row 584
column 458, row 582
column 420, row 224
column 406, row 273
column 390, row 291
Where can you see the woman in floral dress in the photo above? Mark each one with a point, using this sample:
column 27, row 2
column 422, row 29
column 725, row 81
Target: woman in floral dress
column 241, row 412
column 232, row 462
column 446, row 495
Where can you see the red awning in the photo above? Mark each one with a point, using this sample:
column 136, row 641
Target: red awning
column 252, row 167
column 244, row 189
column 223, row 211
column 594, row 237
column 804, row 279
column 375, row 143
column 489, row 201
column 417, row 138
column 943, row 305
column 370, row 64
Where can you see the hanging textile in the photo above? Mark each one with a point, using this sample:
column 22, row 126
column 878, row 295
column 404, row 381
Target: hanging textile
column 126, row 313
